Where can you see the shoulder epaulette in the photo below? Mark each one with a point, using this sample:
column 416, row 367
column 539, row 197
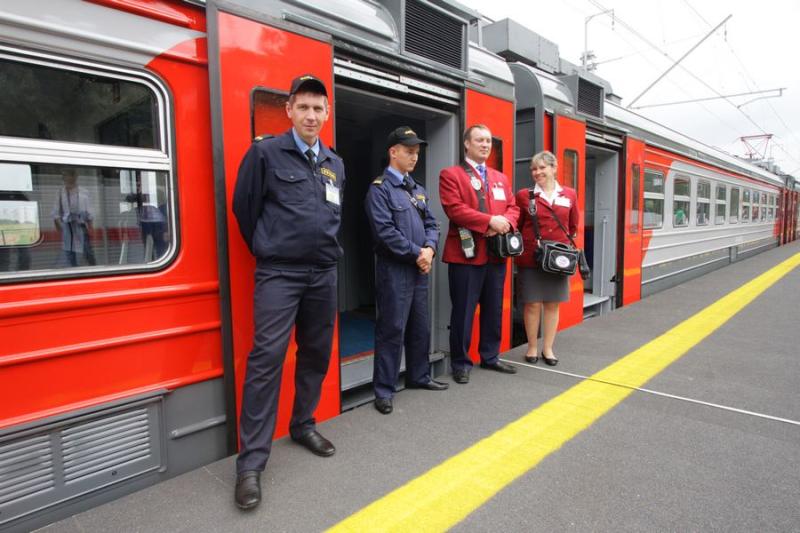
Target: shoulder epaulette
column 378, row 180
column 262, row 137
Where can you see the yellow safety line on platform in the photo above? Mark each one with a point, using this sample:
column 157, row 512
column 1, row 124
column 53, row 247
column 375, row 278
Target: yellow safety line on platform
column 445, row 495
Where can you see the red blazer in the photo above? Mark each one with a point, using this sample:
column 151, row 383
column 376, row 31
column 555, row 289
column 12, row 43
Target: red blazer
column 548, row 227
column 460, row 203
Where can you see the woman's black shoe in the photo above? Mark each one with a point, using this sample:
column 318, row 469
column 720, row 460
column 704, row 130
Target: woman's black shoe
column 552, row 361
column 532, row 359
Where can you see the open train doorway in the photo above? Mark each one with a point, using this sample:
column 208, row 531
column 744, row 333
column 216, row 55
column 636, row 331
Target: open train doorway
column 600, row 229
column 363, row 122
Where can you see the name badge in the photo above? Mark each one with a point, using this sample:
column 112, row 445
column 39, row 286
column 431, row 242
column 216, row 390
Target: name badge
column 499, row 193
column 562, row 201
column 332, row 193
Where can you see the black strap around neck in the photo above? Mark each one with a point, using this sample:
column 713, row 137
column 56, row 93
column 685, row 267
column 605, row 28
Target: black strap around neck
column 481, row 193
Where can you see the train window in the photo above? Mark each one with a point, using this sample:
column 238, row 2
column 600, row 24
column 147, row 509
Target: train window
column 269, row 112
column 720, row 203
column 636, row 178
column 653, row 199
column 773, row 202
column 733, row 216
column 61, row 212
column 703, row 205
column 764, row 207
column 85, row 216
column 755, row 210
column 746, row 205
column 681, row 201
column 43, row 102
column 569, row 174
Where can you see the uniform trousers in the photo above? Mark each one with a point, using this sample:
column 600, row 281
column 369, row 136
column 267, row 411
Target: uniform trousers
column 471, row 285
column 401, row 297
column 283, row 298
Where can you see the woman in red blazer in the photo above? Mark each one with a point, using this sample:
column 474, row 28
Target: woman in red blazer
column 537, row 289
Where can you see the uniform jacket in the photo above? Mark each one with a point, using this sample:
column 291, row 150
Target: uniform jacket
column 565, row 204
column 460, row 203
column 398, row 230
column 281, row 205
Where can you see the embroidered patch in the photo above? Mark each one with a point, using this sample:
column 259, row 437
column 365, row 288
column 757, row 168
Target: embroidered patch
column 328, row 173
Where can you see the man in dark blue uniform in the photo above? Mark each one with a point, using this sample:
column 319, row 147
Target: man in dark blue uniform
column 287, row 201
column 405, row 235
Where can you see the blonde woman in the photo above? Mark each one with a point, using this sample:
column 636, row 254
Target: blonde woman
column 537, row 289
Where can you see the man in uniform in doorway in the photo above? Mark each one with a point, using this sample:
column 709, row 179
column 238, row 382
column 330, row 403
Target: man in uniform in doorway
column 479, row 202
column 287, row 201
column 405, row 236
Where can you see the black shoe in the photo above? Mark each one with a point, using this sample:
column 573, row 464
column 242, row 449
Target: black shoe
column 248, row 489
column 383, row 405
column 552, row 361
column 316, row 443
column 500, row 366
column 461, row 376
column 431, row 385
column 532, row 359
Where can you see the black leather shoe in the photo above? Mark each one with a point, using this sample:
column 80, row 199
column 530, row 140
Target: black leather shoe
column 500, row 366
column 383, row 405
column 316, row 443
column 532, row 359
column 431, row 385
column 552, row 361
column 248, row 489
column 461, row 376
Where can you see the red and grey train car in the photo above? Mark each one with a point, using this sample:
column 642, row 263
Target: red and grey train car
column 121, row 365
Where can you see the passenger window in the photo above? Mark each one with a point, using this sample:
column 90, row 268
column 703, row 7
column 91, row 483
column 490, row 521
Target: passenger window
column 569, row 174
column 57, row 213
column 703, row 206
column 268, row 115
column 764, row 207
column 756, row 209
column 653, row 199
column 66, row 105
column 746, row 205
column 733, row 217
column 636, row 177
column 681, row 201
column 720, row 204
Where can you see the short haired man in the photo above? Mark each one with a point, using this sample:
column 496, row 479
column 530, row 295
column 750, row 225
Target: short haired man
column 479, row 202
column 405, row 236
column 287, row 201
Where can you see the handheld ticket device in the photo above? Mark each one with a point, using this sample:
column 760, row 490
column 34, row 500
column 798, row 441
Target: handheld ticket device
column 467, row 242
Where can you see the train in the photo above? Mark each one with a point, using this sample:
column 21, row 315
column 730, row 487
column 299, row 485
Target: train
column 127, row 320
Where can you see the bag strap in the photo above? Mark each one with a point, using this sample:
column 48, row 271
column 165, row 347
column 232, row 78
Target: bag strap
column 560, row 225
column 532, row 212
column 481, row 194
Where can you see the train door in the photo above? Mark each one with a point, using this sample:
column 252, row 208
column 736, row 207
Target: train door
column 631, row 275
column 364, row 118
column 569, row 141
column 600, row 229
column 251, row 65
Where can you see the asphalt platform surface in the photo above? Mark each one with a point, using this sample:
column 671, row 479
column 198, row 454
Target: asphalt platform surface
column 653, row 463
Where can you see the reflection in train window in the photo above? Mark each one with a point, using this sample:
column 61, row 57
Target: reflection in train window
column 703, row 206
column 653, row 199
column 733, row 218
column 720, row 203
column 85, row 216
column 569, row 174
column 268, row 112
column 681, row 201
column 636, row 178
column 755, row 211
column 746, row 205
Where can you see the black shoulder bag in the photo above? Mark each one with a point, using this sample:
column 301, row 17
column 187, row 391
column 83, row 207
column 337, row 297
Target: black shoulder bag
column 553, row 256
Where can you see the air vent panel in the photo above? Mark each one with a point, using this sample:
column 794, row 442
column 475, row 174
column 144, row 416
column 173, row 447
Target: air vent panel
column 590, row 98
column 434, row 35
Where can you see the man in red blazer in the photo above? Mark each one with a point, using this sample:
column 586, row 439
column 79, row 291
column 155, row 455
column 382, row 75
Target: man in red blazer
column 479, row 202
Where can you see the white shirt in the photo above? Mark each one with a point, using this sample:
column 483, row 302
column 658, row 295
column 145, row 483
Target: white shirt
column 548, row 198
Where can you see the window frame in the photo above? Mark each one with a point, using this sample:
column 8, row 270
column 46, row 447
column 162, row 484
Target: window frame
column 657, row 196
column 699, row 200
column 720, row 202
column 77, row 154
column 687, row 199
column 733, row 218
column 747, row 197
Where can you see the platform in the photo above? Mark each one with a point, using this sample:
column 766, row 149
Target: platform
column 712, row 443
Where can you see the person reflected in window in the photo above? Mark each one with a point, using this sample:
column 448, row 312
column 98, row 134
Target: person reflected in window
column 680, row 217
column 73, row 218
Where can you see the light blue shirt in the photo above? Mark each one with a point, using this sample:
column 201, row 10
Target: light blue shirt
column 302, row 146
column 394, row 173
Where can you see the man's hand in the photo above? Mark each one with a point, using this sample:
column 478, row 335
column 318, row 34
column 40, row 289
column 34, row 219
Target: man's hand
column 425, row 259
column 498, row 224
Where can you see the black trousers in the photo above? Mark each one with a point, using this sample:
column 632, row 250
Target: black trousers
column 282, row 299
column 471, row 285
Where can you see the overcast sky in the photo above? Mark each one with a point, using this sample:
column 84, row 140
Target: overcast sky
column 755, row 50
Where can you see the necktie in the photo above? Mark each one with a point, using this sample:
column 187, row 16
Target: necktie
column 408, row 184
column 312, row 159
column 482, row 171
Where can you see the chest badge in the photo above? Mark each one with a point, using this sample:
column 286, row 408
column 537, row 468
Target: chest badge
column 328, row 173
column 476, row 183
